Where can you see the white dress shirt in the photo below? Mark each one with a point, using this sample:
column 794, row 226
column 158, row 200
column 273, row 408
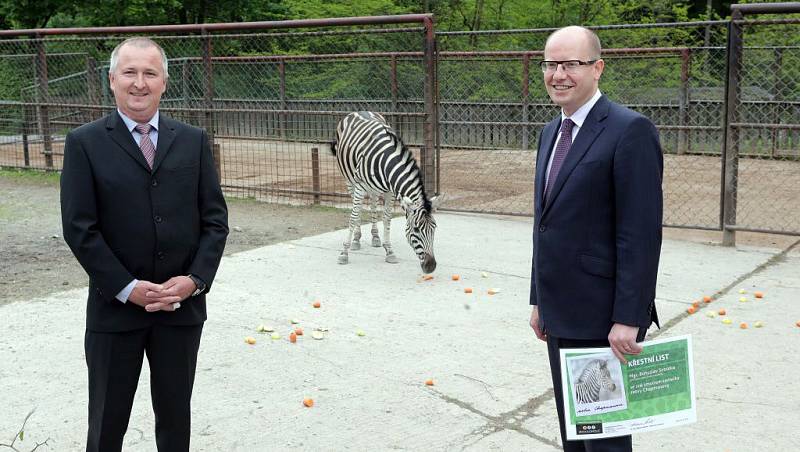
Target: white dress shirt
column 579, row 117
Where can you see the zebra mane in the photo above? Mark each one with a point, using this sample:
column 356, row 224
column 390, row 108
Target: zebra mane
column 595, row 363
column 426, row 202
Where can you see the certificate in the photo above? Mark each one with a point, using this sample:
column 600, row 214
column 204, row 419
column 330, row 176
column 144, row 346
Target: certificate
column 604, row 398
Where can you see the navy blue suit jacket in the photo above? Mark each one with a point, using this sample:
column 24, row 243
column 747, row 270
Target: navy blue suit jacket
column 124, row 221
column 597, row 240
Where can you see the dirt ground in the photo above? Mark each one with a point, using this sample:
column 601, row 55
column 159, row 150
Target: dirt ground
column 499, row 181
column 35, row 261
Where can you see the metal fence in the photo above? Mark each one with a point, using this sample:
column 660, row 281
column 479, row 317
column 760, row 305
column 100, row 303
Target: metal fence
column 677, row 75
column 762, row 188
column 725, row 96
column 270, row 113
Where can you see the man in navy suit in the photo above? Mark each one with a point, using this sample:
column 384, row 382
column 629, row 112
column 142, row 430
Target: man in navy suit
column 597, row 220
column 143, row 212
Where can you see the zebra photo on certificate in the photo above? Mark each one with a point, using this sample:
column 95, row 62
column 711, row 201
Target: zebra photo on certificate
column 596, row 384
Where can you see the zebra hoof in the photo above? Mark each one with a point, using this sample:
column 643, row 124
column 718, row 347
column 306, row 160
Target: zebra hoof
column 376, row 242
column 355, row 246
column 343, row 259
column 392, row 259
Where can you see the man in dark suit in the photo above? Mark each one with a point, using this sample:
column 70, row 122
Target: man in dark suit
column 143, row 212
column 598, row 212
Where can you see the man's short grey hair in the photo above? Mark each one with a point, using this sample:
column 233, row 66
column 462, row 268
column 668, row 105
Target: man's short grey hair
column 141, row 43
column 591, row 36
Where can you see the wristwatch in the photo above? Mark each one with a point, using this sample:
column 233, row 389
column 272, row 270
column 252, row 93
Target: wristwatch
column 201, row 286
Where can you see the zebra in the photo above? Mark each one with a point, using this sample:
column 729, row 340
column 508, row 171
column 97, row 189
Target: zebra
column 595, row 376
column 374, row 161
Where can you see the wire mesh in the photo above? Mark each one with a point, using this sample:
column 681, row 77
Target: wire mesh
column 271, row 100
column 270, row 112
column 765, row 131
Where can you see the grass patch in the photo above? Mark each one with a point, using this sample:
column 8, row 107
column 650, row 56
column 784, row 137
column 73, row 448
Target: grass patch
column 38, row 177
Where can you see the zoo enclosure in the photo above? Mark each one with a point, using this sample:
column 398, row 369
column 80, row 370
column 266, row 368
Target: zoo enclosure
column 729, row 120
column 270, row 113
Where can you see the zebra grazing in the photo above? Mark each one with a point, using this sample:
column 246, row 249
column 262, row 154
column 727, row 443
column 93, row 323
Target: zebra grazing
column 595, row 375
column 375, row 162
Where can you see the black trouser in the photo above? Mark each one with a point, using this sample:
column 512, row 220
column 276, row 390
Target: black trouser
column 114, row 361
column 554, row 344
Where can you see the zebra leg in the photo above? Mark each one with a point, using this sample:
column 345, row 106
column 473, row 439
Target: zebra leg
column 388, row 203
column 356, row 245
column 355, row 224
column 376, row 239
column 355, row 219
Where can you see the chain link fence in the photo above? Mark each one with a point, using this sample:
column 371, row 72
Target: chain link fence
column 672, row 74
column 762, row 183
column 471, row 111
column 271, row 113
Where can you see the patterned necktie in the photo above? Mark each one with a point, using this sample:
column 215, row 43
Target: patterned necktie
column 146, row 145
column 564, row 143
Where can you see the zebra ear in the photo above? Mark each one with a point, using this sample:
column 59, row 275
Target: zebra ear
column 436, row 201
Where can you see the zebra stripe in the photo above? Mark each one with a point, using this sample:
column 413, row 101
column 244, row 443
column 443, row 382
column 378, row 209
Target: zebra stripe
column 595, row 375
column 375, row 162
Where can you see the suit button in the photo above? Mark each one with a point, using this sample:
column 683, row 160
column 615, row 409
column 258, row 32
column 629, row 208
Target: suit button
column 160, row 255
column 542, row 228
column 158, row 219
column 154, row 183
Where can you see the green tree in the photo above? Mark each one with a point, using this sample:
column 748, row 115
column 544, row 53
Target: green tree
column 22, row 14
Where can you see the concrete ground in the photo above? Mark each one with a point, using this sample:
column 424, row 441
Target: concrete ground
column 492, row 388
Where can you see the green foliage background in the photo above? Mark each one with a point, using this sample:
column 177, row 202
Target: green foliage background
column 629, row 80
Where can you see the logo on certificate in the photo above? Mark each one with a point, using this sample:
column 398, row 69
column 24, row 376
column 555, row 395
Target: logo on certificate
column 594, row 428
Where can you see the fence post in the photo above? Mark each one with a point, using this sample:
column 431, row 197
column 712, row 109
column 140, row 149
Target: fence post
column 105, row 90
column 27, row 120
column 393, row 78
column 730, row 152
column 282, row 114
column 217, row 153
column 25, row 125
column 43, row 100
column 526, row 62
column 683, row 104
column 185, row 91
column 427, row 154
column 208, row 89
column 315, row 173
column 777, row 134
column 92, row 81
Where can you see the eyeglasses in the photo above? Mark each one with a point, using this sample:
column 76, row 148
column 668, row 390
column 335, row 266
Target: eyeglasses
column 569, row 66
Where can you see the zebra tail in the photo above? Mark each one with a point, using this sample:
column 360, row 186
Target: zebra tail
column 333, row 146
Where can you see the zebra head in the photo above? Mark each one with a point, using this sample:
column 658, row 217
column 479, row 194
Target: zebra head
column 420, row 228
column 605, row 377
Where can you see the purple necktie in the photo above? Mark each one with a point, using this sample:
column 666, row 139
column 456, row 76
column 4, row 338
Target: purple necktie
column 146, row 145
column 564, row 143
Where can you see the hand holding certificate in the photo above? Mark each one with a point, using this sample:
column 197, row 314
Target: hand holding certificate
column 604, row 398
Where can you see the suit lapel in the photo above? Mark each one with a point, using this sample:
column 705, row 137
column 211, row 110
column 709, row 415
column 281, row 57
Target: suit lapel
column 591, row 128
column 542, row 157
column 166, row 135
column 119, row 134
